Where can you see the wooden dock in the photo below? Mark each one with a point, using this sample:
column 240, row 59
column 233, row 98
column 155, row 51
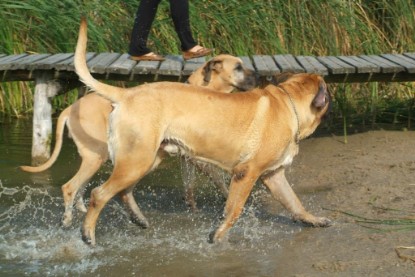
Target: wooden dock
column 54, row 74
column 115, row 66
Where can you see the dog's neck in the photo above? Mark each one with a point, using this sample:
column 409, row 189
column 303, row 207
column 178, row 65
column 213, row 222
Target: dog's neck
column 297, row 134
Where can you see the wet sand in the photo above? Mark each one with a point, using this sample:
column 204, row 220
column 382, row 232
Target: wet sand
column 372, row 173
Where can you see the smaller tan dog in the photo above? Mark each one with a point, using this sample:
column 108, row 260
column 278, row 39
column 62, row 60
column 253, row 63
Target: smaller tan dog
column 87, row 121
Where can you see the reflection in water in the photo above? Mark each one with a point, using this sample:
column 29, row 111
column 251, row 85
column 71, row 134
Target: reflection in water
column 32, row 242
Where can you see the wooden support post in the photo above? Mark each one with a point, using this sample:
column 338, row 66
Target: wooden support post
column 45, row 88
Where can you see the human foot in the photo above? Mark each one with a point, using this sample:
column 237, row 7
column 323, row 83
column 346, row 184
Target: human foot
column 148, row 57
column 196, row 52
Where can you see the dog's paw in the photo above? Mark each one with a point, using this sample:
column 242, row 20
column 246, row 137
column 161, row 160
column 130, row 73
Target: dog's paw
column 314, row 221
column 87, row 237
column 66, row 221
column 141, row 222
column 322, row 222
column 211, row 238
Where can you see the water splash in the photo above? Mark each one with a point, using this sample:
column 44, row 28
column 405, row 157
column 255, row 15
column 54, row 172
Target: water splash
column 33, row 242
column 32, row 238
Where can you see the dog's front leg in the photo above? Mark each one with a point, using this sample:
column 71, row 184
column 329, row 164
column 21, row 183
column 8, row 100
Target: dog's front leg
column 282, row 191
column 243, row 180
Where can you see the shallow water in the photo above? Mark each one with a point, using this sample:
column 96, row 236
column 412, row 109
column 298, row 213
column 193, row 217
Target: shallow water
column 33, row 243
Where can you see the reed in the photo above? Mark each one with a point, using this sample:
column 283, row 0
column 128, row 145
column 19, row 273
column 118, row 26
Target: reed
column 297, row 27
column 401, row 220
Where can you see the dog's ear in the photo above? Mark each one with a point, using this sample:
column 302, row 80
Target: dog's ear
column 276, row 79
column 320, row 100
column 209, row 67
column 281, row 77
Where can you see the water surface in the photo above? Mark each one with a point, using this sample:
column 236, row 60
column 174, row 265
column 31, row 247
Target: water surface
column 33, row 243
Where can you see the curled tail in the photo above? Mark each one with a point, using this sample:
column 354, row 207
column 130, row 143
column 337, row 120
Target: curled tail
column 110, row 92
column 63, row 117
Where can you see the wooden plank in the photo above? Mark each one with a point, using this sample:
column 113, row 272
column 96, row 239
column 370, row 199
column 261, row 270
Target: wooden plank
column 146, row 67
column 247, row 62
column 192, row 65
column 336, row 66
column 265, row 65
column 123, row 65
column 385, row 65
column 288, row 63
column 12, row 57
column 312, row 65
column 25, row 62
column 3, row 58
column 49, row 62
column 100, row 62
column 63, row 65
column 171, row 66
column 2, row 55
column 402, row 60
column 361, row 65
column 7, row 62
column 410, row 55
column 69, row 65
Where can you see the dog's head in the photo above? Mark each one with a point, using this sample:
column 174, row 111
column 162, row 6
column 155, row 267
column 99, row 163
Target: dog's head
column 310, row 96
column 224, row 73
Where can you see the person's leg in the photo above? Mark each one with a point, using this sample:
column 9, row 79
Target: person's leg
column 142, row 24
column 180, row 14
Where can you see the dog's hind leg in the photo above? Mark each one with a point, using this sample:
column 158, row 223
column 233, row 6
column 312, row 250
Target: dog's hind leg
column 128, row 170
column 282, row 191
column 243, row 180
column 136, row 216
column 73, row 189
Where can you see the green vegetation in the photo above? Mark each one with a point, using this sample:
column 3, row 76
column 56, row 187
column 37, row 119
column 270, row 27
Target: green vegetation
column 298, row 27
column 401, row 220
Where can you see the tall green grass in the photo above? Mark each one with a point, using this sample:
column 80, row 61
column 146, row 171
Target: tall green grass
column 298, row 27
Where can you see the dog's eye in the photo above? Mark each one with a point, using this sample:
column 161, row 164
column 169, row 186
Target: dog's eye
column 239, row 67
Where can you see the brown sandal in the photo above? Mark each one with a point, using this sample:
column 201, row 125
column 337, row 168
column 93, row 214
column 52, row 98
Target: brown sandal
column 187, row 55
column 148, row 57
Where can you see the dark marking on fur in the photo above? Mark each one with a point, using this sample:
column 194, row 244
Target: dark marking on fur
column 92, row 203
column 239, row 175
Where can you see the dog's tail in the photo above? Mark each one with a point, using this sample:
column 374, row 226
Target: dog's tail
column 63, row 117
column 110, row 92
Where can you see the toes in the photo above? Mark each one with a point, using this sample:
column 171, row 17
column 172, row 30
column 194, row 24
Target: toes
column 211, row 238
column 66, row 221
column 87, row 237
column 142, row 222
column 315, row 221
column 323, row 222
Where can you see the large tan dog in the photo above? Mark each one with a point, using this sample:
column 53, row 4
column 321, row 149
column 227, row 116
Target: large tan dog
column 87, row 121
column 251, row 135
